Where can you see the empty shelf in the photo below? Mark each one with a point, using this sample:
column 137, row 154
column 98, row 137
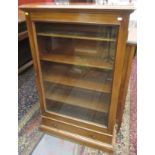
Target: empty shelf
column 75, row 36
column 76, row 60
column 72, row 100
column 59, row 78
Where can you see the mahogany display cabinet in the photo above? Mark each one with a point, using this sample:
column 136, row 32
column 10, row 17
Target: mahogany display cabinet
column 79, row 54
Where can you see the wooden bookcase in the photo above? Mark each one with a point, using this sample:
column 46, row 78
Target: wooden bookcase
column 81, row 65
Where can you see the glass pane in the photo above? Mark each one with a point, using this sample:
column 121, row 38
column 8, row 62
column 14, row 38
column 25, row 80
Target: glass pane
column 77, row 66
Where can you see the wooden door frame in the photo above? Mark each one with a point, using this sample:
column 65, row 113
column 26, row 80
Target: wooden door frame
column 118, row 69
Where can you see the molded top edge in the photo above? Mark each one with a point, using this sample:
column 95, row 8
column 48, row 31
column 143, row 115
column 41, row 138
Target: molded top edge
column 77, row 6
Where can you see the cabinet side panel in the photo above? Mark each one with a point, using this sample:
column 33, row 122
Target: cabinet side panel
column 129, row 54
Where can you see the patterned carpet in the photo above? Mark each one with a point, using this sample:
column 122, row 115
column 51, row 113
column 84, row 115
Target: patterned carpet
column 28, row 113
column 27, row 93
column 29, row 119
column 133, row 109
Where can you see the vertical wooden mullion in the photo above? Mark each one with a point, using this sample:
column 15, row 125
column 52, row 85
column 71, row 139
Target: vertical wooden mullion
column 36, row 60
column 118, row 68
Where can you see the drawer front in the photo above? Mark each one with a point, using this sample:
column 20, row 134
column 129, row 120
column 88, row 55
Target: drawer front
column 59, row 125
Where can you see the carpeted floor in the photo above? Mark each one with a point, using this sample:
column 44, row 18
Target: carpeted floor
column 27, row 93
column 133, row 109
column 28, row 115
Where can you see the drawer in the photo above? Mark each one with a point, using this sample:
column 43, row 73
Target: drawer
column 59, row 125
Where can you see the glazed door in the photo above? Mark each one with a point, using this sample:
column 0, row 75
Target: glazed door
column 77, row 65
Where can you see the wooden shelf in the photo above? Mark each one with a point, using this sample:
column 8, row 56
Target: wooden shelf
column 59, row 78
column 25, row 66
column 22, row 35
column 99, row 106
column 75, row 60
column 74, row 36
